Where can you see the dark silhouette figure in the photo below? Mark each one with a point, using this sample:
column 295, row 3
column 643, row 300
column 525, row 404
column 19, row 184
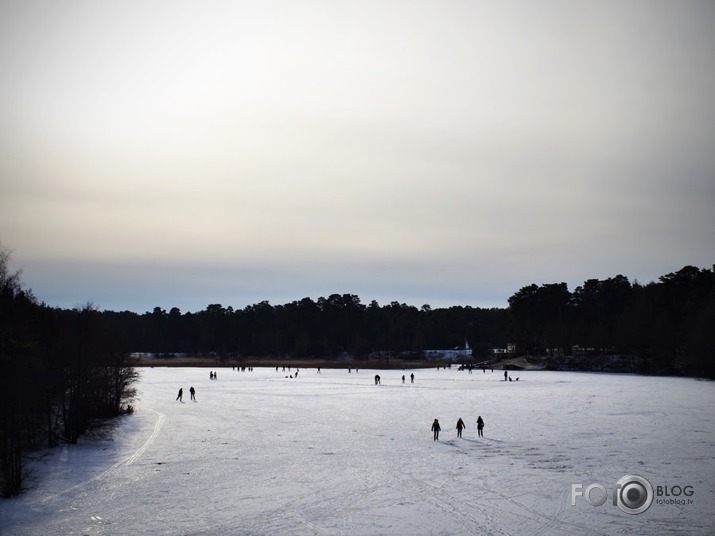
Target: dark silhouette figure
column 180, row 396
column 460, row 426
column 193, row 393
column 480, row 426
column 377, row 379
column 505, row 374
column 403, row 378
column 412, row 378
column 436, row 429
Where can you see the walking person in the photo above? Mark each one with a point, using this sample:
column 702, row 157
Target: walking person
column 480, row 426
column 180, row 396
column 412, row 378
column 460, row 426
column 193, row 393
column 436, row 429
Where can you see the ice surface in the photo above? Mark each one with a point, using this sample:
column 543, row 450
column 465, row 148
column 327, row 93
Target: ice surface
column 332, row 453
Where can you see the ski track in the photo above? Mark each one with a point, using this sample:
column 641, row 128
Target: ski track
column 103, row 475
column 157, row 428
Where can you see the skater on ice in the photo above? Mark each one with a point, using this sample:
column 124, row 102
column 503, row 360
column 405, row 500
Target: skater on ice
column 460, row 426
column 480, row 426
column 193, row 393
column 377, row 379
column 412, row 378
column 436, row 429
column 180, row 396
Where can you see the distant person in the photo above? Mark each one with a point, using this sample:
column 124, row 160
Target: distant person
column 460, row 426
column 211, row 375
column 505, row 375
column 180, row 396
column 403, row 378
column 215, row 375
column 193, row 393
column 509, row 378
column 480, row 426
column 377, row 379
column 296, row 372
column 436, row 429
column 412, row 378
column 318, row 370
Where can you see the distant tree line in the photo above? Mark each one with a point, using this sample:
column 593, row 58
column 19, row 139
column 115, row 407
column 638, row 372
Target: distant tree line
column 336, row 326
column 667, row 324
column 60, row 369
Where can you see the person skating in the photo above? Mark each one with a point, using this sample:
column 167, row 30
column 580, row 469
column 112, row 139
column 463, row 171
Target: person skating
column 460, row 426
column 480, row 426
column 180, row 396
column 193, row 393
column 436, row 429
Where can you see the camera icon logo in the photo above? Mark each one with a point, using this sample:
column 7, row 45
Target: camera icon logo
column 633, row 494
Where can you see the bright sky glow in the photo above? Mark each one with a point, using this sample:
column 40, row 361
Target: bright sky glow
column 185, row 153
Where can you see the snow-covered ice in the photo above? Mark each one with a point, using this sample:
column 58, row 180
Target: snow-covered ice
column 333, row 453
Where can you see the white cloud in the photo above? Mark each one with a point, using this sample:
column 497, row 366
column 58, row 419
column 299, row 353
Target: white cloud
column 429, row 149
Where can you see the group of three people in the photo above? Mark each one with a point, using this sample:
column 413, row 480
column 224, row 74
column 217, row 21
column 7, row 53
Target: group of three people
column 436, row 428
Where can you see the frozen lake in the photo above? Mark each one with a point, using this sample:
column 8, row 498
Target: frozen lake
column 333, row 453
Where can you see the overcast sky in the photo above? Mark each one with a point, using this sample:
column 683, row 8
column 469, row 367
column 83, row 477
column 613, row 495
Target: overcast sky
column 186, row 153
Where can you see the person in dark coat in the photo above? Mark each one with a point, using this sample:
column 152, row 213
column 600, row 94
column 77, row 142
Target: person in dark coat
column 377, row 379
column 460, row 426
column 436, row 429
column 480, row 426
column 180, row 396
column 193, row 393
column 412, row 378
